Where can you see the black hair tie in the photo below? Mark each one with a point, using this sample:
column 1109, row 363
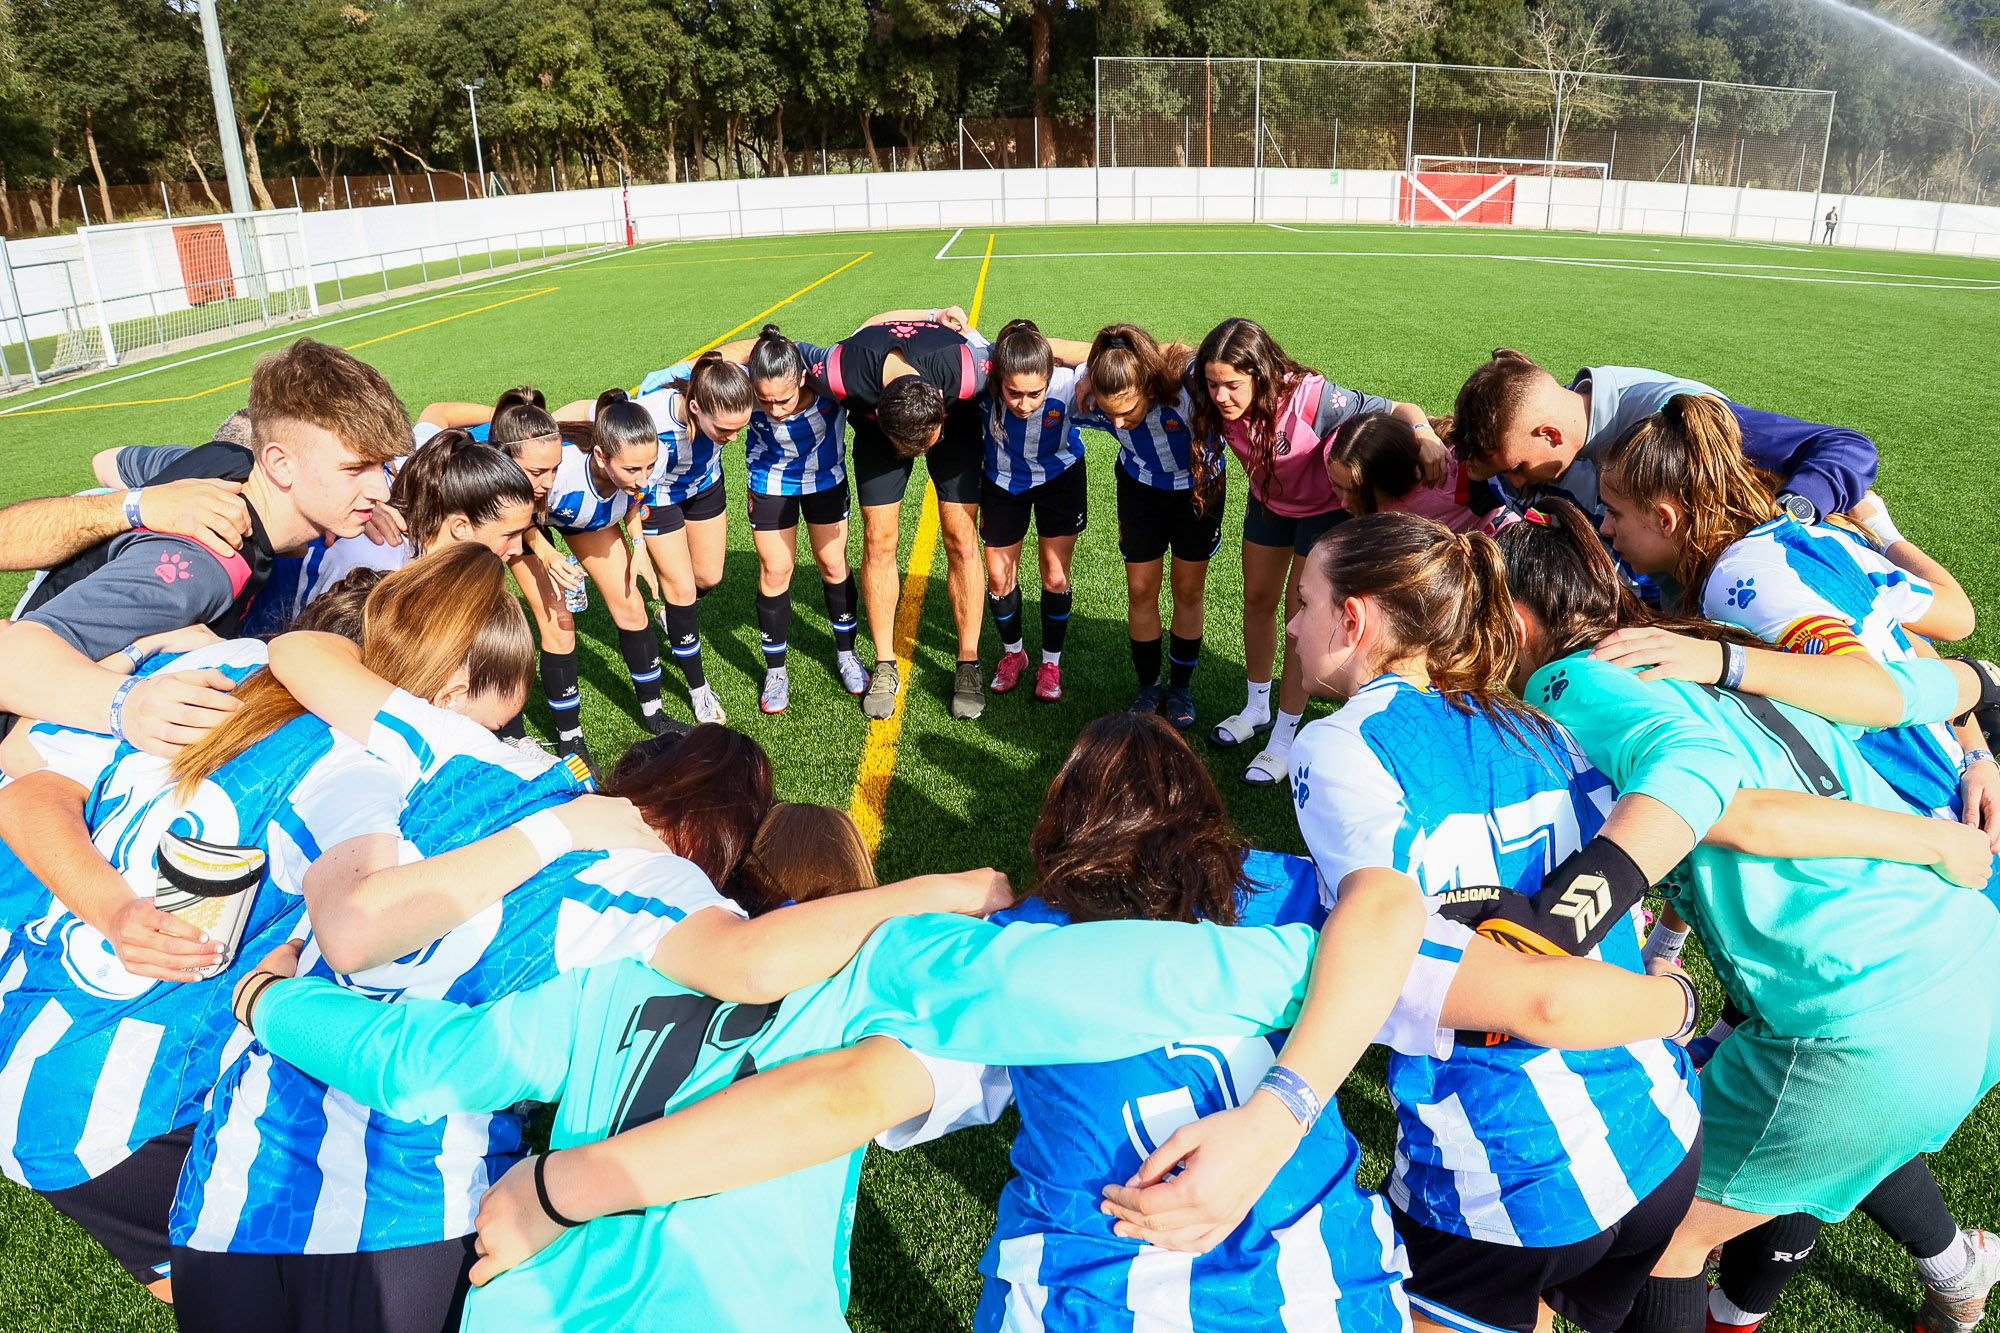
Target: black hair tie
column 542, row 1194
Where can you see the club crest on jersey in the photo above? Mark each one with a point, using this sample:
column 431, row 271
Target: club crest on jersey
column 1052, row 418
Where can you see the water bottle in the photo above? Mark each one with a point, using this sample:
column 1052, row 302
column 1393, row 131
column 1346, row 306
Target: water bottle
column 577, row 598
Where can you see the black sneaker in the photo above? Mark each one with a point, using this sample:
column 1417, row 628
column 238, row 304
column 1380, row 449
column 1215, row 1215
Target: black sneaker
column 656, row 722
column 1178, row 707
column 573, row 747
column 1147, row 700
column 968, row 692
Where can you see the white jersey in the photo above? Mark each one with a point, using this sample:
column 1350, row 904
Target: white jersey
column 575, row 503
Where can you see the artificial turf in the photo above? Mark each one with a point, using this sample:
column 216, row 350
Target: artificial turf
column 1897, row 345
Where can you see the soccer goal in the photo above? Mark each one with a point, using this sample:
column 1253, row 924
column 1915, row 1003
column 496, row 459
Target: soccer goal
column 1504, row 192
column 146, row 286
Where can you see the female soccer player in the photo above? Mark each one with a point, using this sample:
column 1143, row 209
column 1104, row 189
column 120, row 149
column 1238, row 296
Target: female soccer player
column 1277, row 418
column 595, row 496
column 1034, row 468
column 1679, row 499
column 1376, row 465
column 107, row 1066
column 697, row 415
column 1170, row 494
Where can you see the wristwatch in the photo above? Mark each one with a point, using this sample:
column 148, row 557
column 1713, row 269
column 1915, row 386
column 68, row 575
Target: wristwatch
column 1798, row 507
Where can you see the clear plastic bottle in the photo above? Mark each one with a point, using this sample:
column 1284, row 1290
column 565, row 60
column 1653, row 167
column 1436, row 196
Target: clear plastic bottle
column 577, row 598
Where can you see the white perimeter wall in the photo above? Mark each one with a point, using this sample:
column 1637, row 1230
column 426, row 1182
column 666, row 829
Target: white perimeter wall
column 355, row 244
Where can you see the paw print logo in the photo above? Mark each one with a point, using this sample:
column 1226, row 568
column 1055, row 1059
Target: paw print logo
column 1302, row 785
column 1742, row 592
column 172, row 568
column 1558, row 683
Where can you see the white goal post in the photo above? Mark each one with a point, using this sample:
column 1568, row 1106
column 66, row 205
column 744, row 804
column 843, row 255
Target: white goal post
column 1492, row 193
column 172, row 282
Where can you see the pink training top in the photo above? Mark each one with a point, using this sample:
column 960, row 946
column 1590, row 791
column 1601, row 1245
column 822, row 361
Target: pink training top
column 1316, row 408
column 1447, row 503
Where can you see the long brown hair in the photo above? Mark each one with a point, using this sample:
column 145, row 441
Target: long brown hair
column 448, row 611
column 1242, row 344
column 1689, row 454
column 1134, row 829
column 1441, row 595
column 803, row 852
column 1561, row 573
column 1124, row 358
column 705, row 794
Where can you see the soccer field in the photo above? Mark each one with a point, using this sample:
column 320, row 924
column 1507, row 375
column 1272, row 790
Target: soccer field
column 1900, row 346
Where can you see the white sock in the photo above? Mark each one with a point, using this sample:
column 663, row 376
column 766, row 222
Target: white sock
column 1260, row 699
column 774, row 673
column 1722, row 1310
column 1664, row 942
column 648, row 708
column 1720, row 1032
column 1944, row 1270
column 1014, row 647
column 1284, row 730
column 1051, row 659
column 849, row 656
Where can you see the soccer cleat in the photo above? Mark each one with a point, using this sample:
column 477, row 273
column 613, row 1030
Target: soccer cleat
column 968, row 692
column 1048, row 682
column 1178, row 707
column 210, row 886
column 1240, row 727
column 777, row 691
column 653, row 718
column 1147, row 700
column 707, row 708
column 853, row 676
column 1008, row 673
column 880, row 701
column 1960, row 1307
column 1715, row 1325
column 1271, row 767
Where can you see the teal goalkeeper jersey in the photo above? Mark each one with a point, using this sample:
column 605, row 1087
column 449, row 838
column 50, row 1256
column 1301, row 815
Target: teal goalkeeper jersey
column 619, row 1046
column 1814, row 948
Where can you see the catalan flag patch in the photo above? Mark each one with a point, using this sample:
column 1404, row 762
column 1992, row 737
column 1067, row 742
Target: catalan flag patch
column 579, row 770
column 1826, row 636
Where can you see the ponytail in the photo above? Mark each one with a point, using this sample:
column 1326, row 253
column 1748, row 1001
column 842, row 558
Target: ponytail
column 522, row 395
column 1689, row 454
column 620, row 424
column 775, row 357
column 456, row 474
column 1441, row 596
column 716, row 386
column 1018, row 349
column 515, row 425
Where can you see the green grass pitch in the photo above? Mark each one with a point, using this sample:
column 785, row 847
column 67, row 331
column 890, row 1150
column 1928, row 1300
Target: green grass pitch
column 1897, row 345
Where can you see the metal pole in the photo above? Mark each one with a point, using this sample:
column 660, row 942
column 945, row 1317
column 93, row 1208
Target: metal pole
column 961, row 143
column 14, row 300
column 1687, row 195
column 225, row 112
column 80, row 199
column 1937, row 232
column 297, row 202
column 1478, row 138
column 1410, row 148
column 1336, row 143
column 553, row 187
column 165, row 202
column 1257, row 146
column 97, row 294
column 347, row 190
column 1826, row 146
column 478, row 150
column 1037, row 131
column 1097, row 140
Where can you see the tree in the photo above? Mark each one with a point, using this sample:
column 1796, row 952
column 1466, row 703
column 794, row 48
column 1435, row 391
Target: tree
column 1569, row 43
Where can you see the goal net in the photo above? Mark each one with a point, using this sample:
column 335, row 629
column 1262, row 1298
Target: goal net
column 149, row 286
column 1503, row 192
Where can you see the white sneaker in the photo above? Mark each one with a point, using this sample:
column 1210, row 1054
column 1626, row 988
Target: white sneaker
column 707, row 708
column 777, row 691
column 1271, row 767
column 853, row 675
column 1960, row 1308
column 1240, row 727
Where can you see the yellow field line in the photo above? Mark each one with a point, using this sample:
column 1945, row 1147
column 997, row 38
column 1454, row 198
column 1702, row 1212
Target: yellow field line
column 878, row 757
column 717, row 342
column 203, row 393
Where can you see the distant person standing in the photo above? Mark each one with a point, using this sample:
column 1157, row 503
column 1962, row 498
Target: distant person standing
column 1832, row 221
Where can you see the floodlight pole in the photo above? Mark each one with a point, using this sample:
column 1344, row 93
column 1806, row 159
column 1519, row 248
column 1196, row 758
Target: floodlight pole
column 478, row 152
column 226, row 136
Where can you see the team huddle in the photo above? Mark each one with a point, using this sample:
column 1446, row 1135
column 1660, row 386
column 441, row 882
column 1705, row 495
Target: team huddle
column 300, row 924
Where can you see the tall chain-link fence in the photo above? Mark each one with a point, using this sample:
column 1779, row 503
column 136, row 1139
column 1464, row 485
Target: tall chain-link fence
column 1359, row 115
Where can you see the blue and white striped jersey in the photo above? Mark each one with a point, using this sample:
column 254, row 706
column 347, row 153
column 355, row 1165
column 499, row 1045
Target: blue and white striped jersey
column 1316, row 1252
column 1024, row 452
column 575, row 504
column 97, row 1061
column 1820, row 589
column 689, row 461
column 1512, row 1143
column 1159, row 451
column 281, row 1164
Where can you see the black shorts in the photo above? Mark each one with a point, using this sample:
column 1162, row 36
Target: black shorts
column 418, row 1289
column 125, row 1209
column 702, row 505
column 957, row 462
column 1261, row 527
column 1060, row 506
column 1591, row 1283
column 1152, row 521
column 780, row 513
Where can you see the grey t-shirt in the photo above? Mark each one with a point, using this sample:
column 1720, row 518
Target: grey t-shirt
column 1620, row 398
column 150, row 582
